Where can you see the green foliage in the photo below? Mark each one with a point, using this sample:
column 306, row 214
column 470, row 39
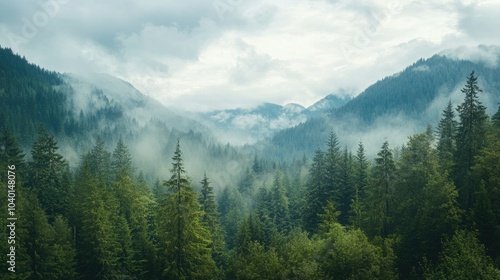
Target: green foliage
column 380, row 192
column 347, row 254
column 299, row 254
column 446, row 134
column 184, row 240
column 316, row 193
column 210, row 219
column 46, row 174
column 279, row 205
column 470, row 139
column 121, row 160
column 486, row 216
column 463, row 257
column 255, row 264
column 231, row 213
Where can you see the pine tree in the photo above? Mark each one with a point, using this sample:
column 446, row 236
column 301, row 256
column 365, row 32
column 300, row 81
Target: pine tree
column 231, row 209
column 429, row 197
column 11, row 154
column 470, row 139
column 316, row 193
column 46, row 172
column 446, row 131
column 332, row 165
column 380, row 195
column 184, row 241
column 210, row 219
column 122, row 160
column 357, row 206
column 100, row 163
column 245, row 185
column 279, row 204
column 98, row 247
column 464, row 257
column 346, row 186
column 485, row 213
column 63, row 250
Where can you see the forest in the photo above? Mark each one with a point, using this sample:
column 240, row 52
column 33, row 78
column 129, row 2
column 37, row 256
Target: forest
column 425, row 210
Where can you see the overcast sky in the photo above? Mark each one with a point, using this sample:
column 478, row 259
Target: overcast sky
column 204, row 55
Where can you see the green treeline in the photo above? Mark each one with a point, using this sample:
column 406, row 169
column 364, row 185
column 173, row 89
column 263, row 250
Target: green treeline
column 426, row 210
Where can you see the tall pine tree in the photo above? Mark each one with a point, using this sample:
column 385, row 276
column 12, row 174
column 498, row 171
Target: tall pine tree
column 210, row 219
column 184, row 241
column 380, row 196
column 470, row 139
column 446, row 131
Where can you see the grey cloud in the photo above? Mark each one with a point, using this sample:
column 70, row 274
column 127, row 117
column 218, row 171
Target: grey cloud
column 480, row 22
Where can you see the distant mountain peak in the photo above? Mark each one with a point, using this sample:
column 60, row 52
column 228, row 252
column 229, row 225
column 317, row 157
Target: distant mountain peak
column 294, row 107
column 331, row 101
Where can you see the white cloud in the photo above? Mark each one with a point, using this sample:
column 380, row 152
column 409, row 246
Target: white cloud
column 189, row 55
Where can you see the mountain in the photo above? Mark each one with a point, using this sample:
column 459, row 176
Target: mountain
column 93, row 92
column 244, row 126
column 247, row 126
column 330, row 102
column 79, row 109
column 397, row 106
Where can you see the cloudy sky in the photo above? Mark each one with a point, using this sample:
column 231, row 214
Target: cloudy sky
column 214, row 54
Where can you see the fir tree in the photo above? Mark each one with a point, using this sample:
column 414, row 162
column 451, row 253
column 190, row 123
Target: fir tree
column 316, row 193
column 357, row 207
column 346, row 185
column 10, row 154
column 446, row 131
column 46, row 173
column 470, row 138
column 380, row 196
column 210, row 218
column 184, row 241
column 121, row 160
column 332, row 165
column 279, row 204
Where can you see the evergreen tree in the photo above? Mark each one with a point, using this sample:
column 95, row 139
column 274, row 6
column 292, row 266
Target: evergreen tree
column 346, row 185
column 279, row 204
column 464, row 257
column 332, row 166
column 10, row 154
column 210, row 219
column 98, row 247
column 230, row 204
column 246, row 184
column 63, row 251
column 122, row 160
column 184, row 241
column 316, row 193
column 380, row 194
column 485, row 213
column 427, row 196
column 446, row 131
column 357, row 206
column 470, row 139
column 46, row 174
column 347, row 254
column 100, row 163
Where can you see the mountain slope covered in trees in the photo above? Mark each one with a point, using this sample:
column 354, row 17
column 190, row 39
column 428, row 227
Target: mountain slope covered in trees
column 396, row 106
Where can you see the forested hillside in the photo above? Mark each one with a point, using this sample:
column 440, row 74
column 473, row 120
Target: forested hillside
column 394, row 107
column 191, row 208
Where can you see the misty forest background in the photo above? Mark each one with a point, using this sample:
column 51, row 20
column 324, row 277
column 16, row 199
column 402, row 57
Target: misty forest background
column 98, row 199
